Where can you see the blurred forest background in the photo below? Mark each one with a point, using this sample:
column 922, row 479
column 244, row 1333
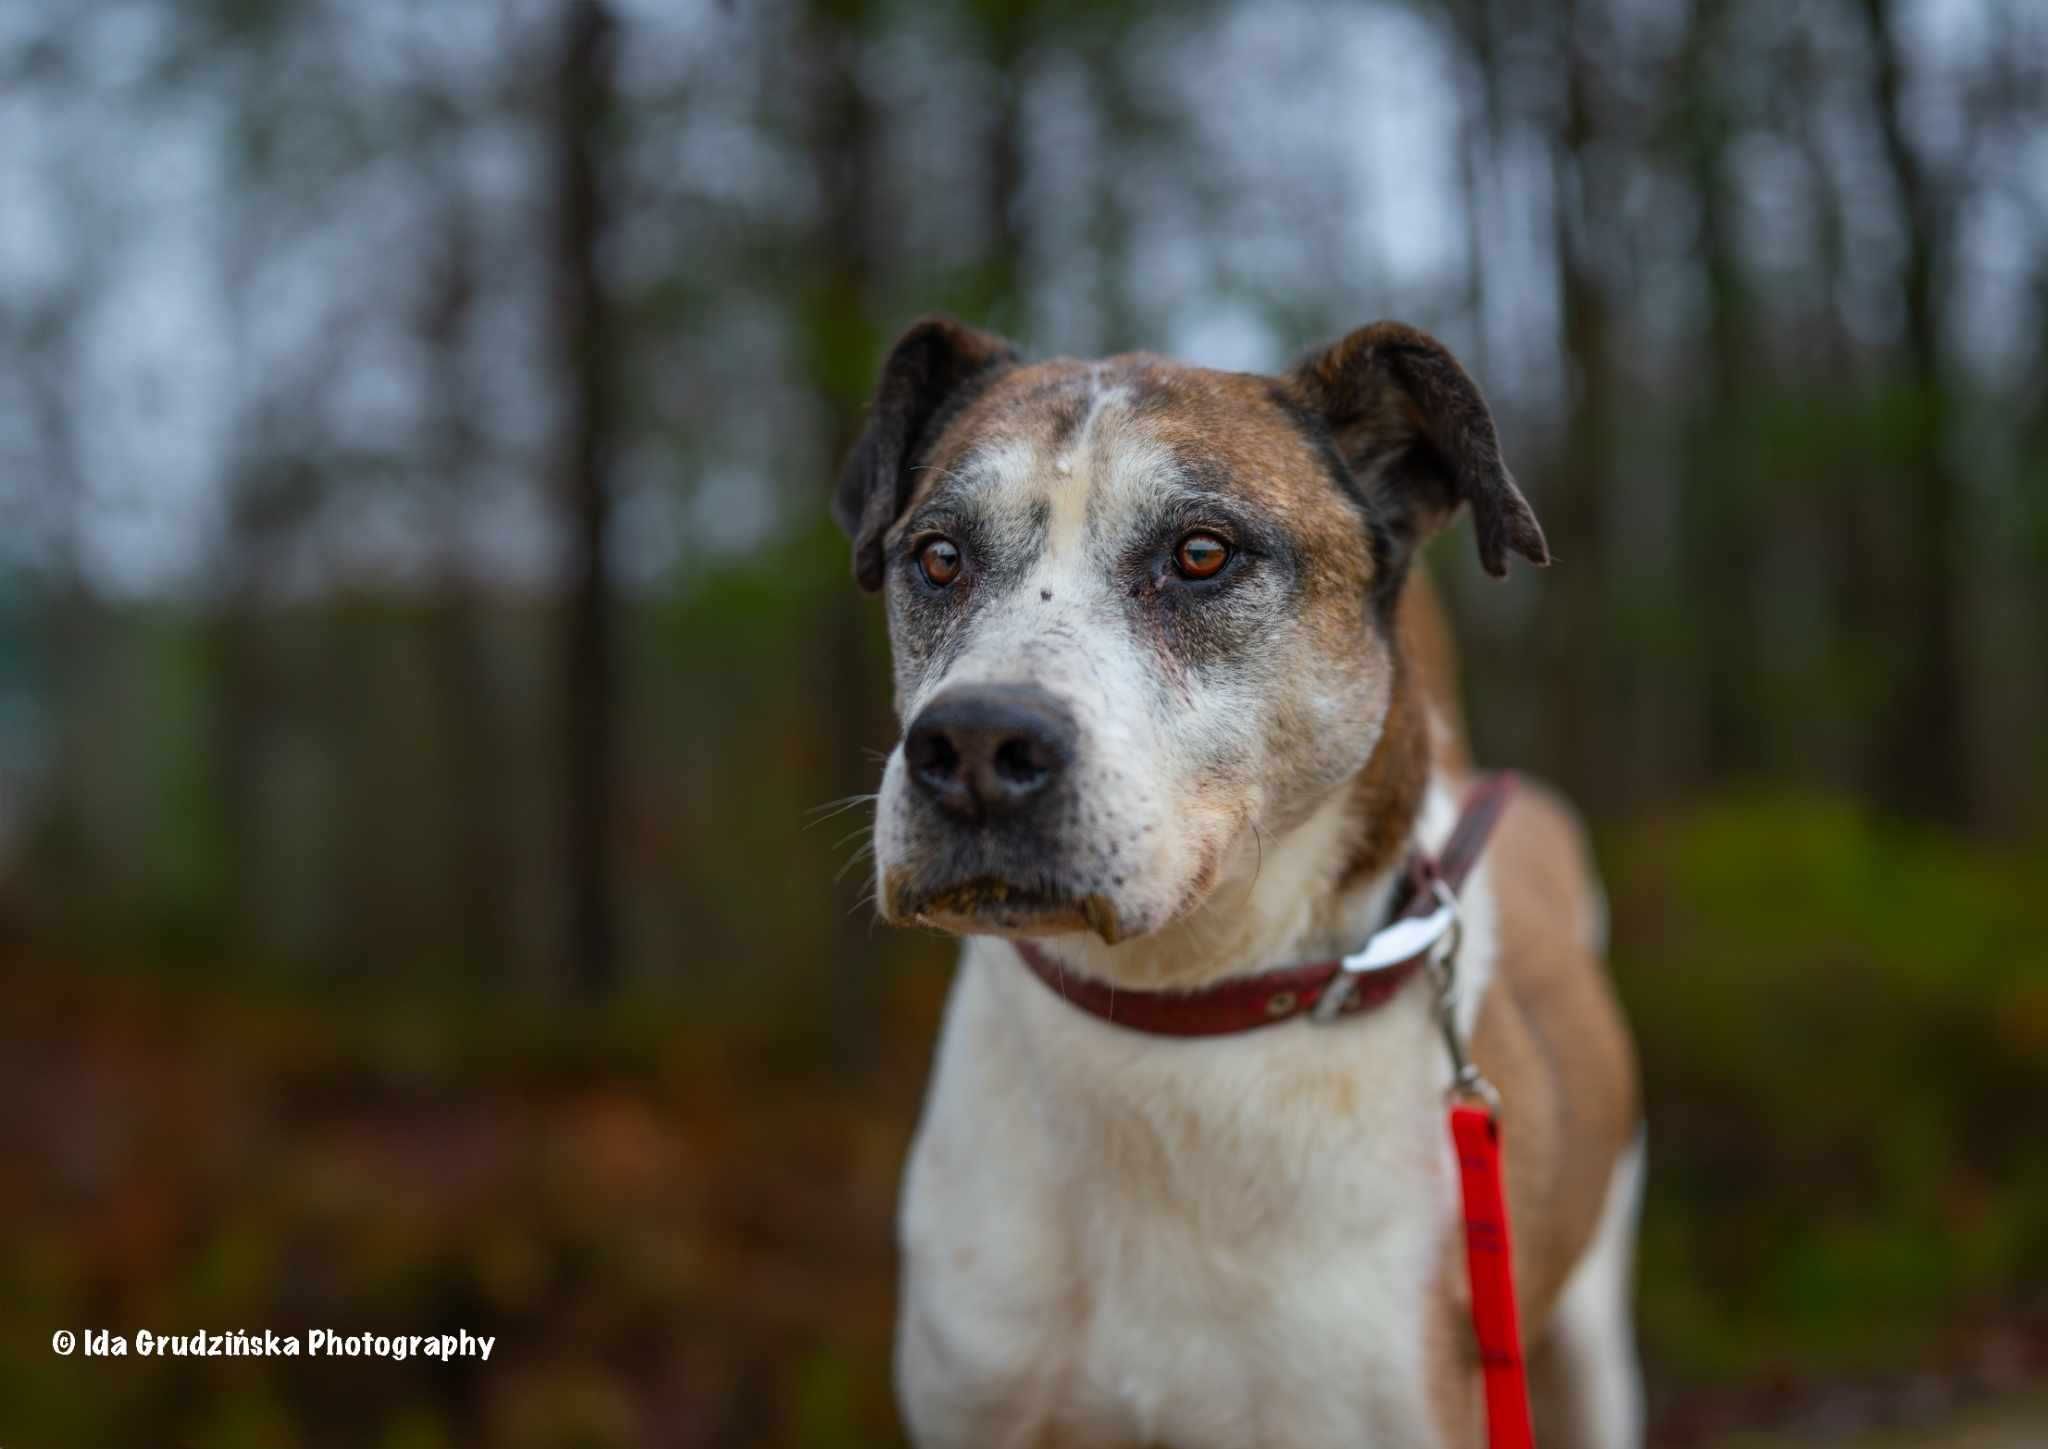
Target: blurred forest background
column 425, row 661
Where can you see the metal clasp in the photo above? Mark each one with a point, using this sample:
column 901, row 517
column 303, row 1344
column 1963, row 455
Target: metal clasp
column 1466, row 1079
column 1404, row 940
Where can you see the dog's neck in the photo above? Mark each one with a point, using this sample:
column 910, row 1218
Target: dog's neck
column 1315, row 891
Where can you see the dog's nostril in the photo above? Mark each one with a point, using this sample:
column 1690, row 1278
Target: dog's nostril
column 1023, row 761
column 932, row 754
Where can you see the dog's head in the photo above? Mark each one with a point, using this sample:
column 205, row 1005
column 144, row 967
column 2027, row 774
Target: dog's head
column 1141, row 612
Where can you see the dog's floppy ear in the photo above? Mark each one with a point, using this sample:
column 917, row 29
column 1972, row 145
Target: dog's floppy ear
column 935, row 366
column 1416, row 435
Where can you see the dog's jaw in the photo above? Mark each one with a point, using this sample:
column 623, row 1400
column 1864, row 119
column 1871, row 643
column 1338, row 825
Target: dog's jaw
column 993, row 907
column 1274, row 900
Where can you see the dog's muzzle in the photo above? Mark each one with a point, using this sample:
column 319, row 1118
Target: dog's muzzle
column 991, row 783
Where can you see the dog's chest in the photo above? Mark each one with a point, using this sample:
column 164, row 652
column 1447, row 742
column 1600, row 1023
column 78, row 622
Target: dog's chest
column 1129, row 1240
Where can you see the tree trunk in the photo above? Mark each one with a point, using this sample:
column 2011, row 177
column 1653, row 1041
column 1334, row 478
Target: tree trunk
column 1923, row 771
column 1720, row 488
column 477, row 871
column 1581, row 623
column 844, row 152
column 584, row 103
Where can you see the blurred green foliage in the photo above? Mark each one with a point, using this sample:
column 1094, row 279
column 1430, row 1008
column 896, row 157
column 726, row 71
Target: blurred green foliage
column 1844, row 1032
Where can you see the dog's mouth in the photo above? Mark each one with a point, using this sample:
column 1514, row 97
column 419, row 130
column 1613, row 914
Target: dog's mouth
column 991, row 905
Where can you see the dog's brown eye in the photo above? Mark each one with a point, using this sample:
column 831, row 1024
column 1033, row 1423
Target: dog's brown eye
column 1200, row 555
column 939, row 561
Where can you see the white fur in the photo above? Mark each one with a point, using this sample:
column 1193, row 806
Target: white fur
column 1220, row 1243
column 1593, row 1327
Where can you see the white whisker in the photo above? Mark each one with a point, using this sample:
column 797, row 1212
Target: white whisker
column 821, row 813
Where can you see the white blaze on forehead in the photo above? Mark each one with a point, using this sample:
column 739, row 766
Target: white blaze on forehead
column 1093, row 481
column 1106, row 469
column 1074, row 469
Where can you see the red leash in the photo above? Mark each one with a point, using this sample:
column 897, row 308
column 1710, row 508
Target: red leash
column 1490, row 1267
column 1475, row 1134
column 1424, row 918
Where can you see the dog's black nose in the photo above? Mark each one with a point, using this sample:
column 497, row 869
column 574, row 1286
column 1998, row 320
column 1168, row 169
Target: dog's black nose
column 987, row 750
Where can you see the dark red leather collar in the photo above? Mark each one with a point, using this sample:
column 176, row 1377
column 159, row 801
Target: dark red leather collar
column 1242, row 1003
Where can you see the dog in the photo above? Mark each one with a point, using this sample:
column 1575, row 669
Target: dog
column 1179, row 707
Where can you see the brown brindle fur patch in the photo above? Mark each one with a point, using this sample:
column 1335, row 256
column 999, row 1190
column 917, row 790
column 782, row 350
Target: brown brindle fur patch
column 1041, row 402
column 1423, row 726
column 1430, row 651
column 1231, row 417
